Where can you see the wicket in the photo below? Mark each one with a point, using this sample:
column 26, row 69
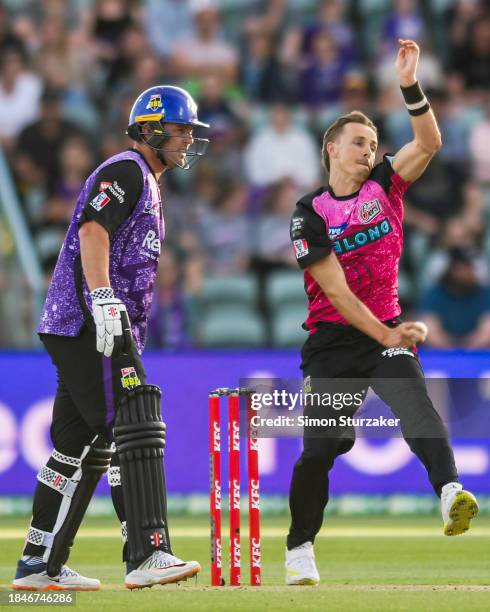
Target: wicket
column 233, row 396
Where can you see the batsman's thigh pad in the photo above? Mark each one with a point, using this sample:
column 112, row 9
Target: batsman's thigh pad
column 77, row 491
column 139, row 434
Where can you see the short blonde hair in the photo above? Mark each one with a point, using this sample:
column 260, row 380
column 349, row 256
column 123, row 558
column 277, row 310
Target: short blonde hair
column 334, row 131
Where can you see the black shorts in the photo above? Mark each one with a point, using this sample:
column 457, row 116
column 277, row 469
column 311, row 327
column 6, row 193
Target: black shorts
column 90, row 385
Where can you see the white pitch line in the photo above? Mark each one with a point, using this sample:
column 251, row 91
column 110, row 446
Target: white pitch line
column 271, row 532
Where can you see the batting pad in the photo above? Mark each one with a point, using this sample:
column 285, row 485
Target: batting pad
column 139, row 434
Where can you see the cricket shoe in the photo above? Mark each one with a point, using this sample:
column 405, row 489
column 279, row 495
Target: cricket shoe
column 31, row 575
column 458, row 508
column 160, row 568
column 300, row 566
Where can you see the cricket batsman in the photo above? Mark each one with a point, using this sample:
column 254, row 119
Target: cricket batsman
column 106, row 417
column 347, row 238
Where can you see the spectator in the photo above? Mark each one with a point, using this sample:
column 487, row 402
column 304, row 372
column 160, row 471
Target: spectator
column 330, row 19
column 40, row 143
column 166, row 21
column 262, row 76
column 136, row 63
column 322, row 73
column 457, row 309
column 214, row 106
column 76, row 160
column 8, row 38
column 205, row 51
column 280, row 150
column 225, row 232
column 271, row 232
column 459, row 17
column 471, row 57
column 111, row 20
column 269, row 19
column 404, row 21
column 226, row 131
column 478, row 144
column 167, row 327
column 20, row 92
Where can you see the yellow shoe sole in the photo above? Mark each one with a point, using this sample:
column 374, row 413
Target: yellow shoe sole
column 306, row 582
column 301, row 581
column 463, row 509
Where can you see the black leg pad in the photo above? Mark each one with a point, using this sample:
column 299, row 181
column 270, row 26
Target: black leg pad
column 139, row 434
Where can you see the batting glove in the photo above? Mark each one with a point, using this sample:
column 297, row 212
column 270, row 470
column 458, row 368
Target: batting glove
column 113, row 331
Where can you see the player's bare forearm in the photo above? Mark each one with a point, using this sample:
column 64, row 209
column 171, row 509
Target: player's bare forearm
column 94, row 251
column 411, row 161
column 329, row 274
column 426, row 133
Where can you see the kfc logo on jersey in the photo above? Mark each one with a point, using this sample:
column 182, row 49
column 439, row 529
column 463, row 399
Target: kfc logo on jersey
column 300, row 248
column 369, row 211
column 100, row 201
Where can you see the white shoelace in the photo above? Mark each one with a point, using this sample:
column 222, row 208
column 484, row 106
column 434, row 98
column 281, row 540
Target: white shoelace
column 66, row 572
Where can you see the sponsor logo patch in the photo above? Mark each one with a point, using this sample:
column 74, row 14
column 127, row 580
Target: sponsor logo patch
column 129, row 378
column 156, row 539
column 393, row 352
column 155, row 102
column 359, row 239
column 117, row 191
column 300, row 248
column 152, row 208
column 369, row 211
column 296, row 226
column 104, row 185
column 151, row 245
column 336, row 230
column 100, row 200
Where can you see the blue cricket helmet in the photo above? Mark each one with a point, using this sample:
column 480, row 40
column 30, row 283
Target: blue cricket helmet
column 166, row 104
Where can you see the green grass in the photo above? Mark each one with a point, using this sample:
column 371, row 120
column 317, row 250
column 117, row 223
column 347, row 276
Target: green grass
column 365, row 563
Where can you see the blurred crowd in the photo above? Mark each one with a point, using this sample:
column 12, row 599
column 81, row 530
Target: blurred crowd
column 269, row 77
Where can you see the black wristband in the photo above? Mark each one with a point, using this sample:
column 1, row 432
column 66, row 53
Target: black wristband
column 415, row 99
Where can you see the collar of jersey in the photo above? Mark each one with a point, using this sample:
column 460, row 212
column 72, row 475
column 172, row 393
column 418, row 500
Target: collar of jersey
column 346, row 197
column 143, row 158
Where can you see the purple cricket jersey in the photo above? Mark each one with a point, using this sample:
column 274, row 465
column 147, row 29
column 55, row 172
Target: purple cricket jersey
column 134, row 254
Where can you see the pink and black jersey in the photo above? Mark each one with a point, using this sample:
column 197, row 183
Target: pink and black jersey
column 364, row 230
